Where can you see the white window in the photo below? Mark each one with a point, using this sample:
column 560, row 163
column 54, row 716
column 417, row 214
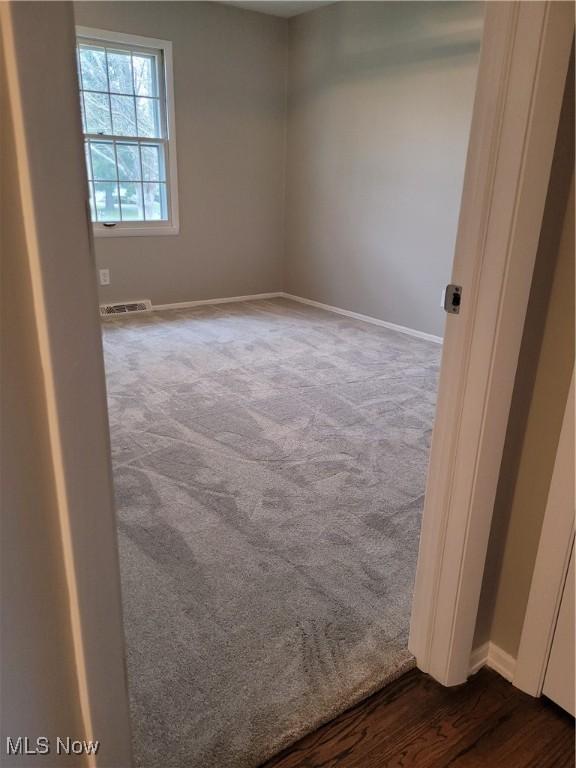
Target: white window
column 127, row 103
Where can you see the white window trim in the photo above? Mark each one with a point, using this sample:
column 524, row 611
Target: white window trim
column 139, row 228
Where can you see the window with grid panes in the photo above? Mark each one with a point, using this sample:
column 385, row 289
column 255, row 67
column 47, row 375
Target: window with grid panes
column 123, row 100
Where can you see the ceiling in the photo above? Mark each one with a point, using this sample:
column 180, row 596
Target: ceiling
column 281, row 7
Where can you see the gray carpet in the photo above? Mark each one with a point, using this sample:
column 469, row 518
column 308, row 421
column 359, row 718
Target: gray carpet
column 269, row 464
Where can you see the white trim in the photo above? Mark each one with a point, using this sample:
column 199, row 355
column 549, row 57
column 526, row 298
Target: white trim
column 551, row 566
column 208, row 302
column 366, row 318
column 153, row 229
column 126, row 230
column 501, row 662
column 478, row 658
column 301, row 300
column 491, row 655
column 111, row 35
column 521, row 78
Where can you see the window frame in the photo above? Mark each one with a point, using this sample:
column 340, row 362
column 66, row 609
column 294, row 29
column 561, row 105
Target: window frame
column 166, row 96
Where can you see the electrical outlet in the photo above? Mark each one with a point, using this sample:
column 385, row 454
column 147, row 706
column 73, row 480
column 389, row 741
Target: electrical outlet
column 104, row 277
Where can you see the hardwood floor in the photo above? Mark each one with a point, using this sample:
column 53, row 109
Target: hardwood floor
column 415, row 722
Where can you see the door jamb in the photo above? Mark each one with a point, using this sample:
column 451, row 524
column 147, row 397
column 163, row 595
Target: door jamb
column 550, row 569
column 57, row 235
column 521, row 78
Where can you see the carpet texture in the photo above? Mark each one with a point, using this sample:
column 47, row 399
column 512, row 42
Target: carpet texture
column 269, row 465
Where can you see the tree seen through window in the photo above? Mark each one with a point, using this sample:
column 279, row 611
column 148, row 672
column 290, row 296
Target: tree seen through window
column 124, row 128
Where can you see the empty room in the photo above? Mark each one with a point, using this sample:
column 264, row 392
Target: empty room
column 278, row 204
column 270, row 456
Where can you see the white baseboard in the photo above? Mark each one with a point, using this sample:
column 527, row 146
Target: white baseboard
column 366, row 319
column 492, row 656
column 301, row 300
column 227, row 300
column 501, row 662
column 479, row 658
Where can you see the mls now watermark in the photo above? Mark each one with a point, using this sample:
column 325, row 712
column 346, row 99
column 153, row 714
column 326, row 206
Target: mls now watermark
column 23, row 745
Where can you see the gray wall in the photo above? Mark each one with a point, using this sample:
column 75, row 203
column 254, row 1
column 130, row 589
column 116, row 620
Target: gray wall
column 380, row 102
column 380, row 98
column 229, row 73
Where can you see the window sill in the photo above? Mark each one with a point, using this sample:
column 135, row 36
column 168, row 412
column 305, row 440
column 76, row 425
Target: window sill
column 119, row 231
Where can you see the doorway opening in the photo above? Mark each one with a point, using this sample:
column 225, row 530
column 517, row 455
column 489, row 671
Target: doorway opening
column 270, row 454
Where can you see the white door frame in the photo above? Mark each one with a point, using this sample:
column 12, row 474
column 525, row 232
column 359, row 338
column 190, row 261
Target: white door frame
column 551, row 567
column 521, row 78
